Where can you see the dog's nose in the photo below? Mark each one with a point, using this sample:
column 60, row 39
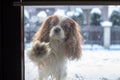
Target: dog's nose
column 57, row 30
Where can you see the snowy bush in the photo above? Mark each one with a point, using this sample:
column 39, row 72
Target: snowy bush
column 38, row 19
column 77, row 15
column 26, row 17
column 25, row 20
column 115, row 18
column 95, row 17
column 42, row 15
column 26, row 25
column 59, row 12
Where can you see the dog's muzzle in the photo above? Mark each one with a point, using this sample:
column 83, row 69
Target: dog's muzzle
column 57, row 30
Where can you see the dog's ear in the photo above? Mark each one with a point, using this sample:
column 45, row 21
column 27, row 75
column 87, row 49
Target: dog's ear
column 43, row 32
column 73, row 43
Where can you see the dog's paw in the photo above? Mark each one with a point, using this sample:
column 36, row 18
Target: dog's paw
column 38, row 50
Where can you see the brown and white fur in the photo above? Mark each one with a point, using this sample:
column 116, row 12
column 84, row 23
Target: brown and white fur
column 57, row 40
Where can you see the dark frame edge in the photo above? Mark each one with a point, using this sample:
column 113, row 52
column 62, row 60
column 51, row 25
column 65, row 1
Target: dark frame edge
column 22, row 44
column 67, row 3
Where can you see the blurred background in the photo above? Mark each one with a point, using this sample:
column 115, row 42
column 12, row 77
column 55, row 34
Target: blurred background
column 100, row 28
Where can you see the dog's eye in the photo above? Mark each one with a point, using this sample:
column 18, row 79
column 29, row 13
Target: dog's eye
column 71, row 26
column 64, row 26
column 52, row 24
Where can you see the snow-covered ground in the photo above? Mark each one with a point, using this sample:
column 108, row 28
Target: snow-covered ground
column 96, row 63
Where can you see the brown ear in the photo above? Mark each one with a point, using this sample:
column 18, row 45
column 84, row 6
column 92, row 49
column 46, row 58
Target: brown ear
column 73, row 43
column 43, row 32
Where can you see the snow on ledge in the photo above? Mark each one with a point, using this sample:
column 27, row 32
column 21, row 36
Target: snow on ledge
column 106, row 24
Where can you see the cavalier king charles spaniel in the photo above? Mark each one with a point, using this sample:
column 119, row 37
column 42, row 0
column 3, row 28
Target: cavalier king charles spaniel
column 57, row 40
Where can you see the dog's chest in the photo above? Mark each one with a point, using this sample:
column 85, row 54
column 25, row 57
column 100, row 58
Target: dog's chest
column 57, row 52
column 56, row 59
column 57, row 48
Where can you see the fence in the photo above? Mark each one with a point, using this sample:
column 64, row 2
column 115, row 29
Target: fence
column 91, row 35
column 115, row 35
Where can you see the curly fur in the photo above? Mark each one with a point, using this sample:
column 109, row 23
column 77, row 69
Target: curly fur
column 50, row 49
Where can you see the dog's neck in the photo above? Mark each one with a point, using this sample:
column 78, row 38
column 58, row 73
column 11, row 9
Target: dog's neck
column 57, row 46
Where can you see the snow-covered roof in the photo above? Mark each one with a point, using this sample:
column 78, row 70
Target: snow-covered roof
column 96, row 10
column 59, row 12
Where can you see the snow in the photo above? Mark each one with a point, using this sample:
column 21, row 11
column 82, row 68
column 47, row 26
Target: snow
column 39, row 18
column 75, row 12
column 115, row 47
column 111, row 8
column 79, row 10
column 106, row 24
column 34, row 19
column 31, row 71
column 27, row 25
column 96, row 10
column 42, row 14
column 26, row 13
column 96, row 63
column 60, row 12
column 25, row 39
column 47, row 10
column 70, row 13
column 93, row 47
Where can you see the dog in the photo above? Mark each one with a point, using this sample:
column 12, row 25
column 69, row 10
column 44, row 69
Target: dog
column 57, row 40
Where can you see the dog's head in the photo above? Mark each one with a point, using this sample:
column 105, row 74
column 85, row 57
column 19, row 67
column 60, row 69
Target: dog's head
column 61, row 28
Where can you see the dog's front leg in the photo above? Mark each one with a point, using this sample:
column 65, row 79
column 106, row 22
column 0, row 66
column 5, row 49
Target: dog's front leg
column 61, row 75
